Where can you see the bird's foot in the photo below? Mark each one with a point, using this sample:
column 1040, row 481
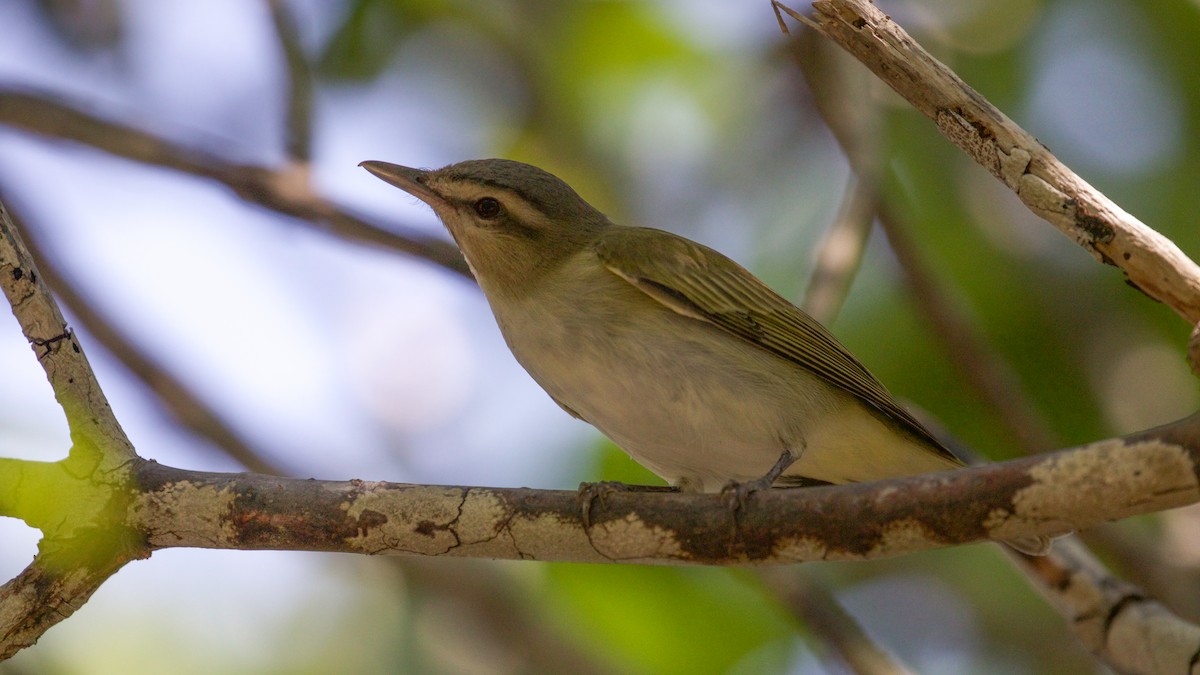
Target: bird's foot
column 590, row 492
column 1037, row 545
column 735, row 494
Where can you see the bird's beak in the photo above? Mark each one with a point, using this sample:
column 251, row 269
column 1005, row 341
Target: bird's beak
column 413, row 181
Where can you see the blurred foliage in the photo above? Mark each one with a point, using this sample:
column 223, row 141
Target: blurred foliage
column 667, row 114
column 661, row 620
column 371, row 32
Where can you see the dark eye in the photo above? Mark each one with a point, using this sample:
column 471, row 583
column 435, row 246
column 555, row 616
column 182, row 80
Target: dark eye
column 487, row 208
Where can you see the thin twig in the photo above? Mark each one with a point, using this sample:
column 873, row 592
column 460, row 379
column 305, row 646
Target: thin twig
column 280, row 191
column 838, row 90
column 299, row 80
column 510, row 617
column 825, row 617
column 839, row 94
column 840, row 253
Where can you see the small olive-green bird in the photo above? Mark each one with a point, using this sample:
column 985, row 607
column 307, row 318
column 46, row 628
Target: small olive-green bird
column 678, row 354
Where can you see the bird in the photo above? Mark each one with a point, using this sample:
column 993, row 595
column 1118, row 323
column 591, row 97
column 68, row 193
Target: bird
column 679, row 355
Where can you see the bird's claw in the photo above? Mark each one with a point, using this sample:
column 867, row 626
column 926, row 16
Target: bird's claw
column 736, row 494
column 590, row 492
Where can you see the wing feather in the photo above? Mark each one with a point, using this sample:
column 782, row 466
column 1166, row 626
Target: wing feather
column 700, row 283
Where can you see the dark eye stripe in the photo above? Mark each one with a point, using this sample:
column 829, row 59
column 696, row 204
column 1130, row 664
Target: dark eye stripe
column 488, row 208
column 501, row 220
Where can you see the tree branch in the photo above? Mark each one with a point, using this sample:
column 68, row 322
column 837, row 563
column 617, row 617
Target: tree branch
column 1153, row 263
column 77, row 503
column 1146, row 628
column 838, row 90
column 840, row 252
column 283, row 191
column 49, row 590
column 1131, row 632
column 299, row 81
column 1048, row 494
column 98, row 442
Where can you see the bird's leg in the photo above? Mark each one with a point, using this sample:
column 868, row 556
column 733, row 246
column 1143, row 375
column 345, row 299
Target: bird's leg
column 736, row 493
column 590, row 492
column 785, row 460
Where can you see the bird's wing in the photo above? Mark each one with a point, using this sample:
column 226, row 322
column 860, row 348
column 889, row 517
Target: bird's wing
column 700, row 283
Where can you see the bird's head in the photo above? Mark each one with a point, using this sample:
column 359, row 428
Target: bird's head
column 513, row 221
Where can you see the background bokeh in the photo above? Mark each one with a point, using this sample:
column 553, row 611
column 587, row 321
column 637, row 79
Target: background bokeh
column 338, row 360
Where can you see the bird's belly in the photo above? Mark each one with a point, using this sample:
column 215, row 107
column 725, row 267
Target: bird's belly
column 683, row 420
column 700, row 410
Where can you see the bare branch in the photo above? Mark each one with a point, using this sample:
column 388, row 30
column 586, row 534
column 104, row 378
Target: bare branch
column 73, row 561
column 838, row 92
column 1048, row 188
column 44, row 594
column 280, row 191
column 99, row 442
column 1128, row 630
column 1044, row 495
